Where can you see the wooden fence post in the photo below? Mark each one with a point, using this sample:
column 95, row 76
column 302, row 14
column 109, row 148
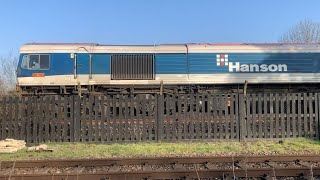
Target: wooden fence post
column 316, row 99
column 316, row 102
column 159, row 117
column 3, row 118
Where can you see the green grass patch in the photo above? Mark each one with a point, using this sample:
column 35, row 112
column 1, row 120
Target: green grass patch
column 85, row 150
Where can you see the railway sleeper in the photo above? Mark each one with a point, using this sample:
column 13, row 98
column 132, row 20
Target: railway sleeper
column 210, row 166
column 146, row 167
column 114, row 168
column 177, row 166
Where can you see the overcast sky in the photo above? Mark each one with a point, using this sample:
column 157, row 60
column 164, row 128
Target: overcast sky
column 148, row 21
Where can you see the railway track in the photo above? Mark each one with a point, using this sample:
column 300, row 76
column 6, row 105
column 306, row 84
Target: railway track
column 237, row 167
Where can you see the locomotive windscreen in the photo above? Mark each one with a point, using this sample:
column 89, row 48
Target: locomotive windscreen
column 132, row 67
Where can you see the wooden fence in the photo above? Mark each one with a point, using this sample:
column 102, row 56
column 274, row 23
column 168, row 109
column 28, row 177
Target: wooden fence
column 124, row 118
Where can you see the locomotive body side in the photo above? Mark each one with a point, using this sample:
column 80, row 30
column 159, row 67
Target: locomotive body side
column 69, row 67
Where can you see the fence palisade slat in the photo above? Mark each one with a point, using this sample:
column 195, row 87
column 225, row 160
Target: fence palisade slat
column 311, row 116
column 260, row 115
column 271, row 115
column 254, row 118
column 305, row 114
column 41, row 119
column 265, row 115
column 120, row 121
column 83, row 121
column 113, row 119
column 9, row 124
column 150, row 133
column 174, row 117
column 96, row 115
column 102, row 120
column 77, row 119
column 54, row 119
column 126, row 112
column 220, row 107
column 144, row 123
column 3, row 118
column 23, row 118
column 65, row 118
column 16, row 117
column 35, row 120
column 209, row 105
column 170, row 119
column 277, row 117
column 132, row 119
column 197, row 118
column 139, row 118
column 160, row 117
column 316, row 98
column 294, row 116
column 59, row 115
column 179, row 122
column 90, row 117
column 187, row 116
column 287, row 116
column 72, row 119
column 215, row 105
column 168, row 110
column 241, row 122
column 232, row 117
column 29, row 118
column 226, row 118
column 282, row 110
column 108, row 118
column 51, row 118
column 299, row 116
column 239, row 98
column 205, row 114
column 156, row 117
column 316, row 103
column 249, row 116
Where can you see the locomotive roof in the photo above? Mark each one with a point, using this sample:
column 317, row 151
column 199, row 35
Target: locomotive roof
column 169, row 48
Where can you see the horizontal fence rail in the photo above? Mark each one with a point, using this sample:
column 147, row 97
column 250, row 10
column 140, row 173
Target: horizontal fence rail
column 143, row 117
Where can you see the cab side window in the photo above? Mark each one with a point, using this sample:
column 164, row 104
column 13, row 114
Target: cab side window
column 44, row 61
column 36, row 62
column 24, row 63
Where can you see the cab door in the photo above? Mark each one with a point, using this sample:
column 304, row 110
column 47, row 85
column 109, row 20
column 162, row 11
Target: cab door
column 82, row 68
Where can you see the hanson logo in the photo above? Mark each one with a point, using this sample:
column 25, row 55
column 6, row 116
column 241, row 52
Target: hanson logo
column 223, row 60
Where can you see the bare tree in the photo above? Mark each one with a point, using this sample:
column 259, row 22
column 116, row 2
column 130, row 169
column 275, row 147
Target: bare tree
column 306, row 31
column 2, row 88
column 8, row 65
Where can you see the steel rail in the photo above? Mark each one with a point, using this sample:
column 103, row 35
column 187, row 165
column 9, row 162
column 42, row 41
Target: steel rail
column 153, row 160
column 218, row 173
column 238, row 163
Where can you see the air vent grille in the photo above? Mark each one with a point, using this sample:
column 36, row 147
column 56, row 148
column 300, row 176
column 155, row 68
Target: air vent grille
column 132, row 67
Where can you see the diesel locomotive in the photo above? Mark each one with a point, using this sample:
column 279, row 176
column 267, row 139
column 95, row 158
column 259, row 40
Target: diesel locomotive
column 68, row 68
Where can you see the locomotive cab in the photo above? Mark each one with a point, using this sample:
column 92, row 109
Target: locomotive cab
column 32, row 66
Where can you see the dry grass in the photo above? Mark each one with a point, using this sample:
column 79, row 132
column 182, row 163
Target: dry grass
column 82, row 150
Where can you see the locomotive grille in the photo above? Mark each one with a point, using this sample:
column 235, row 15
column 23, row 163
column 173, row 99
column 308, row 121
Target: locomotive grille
column 132, row 67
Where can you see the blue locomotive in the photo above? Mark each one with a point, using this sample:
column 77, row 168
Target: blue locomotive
column 168, row 68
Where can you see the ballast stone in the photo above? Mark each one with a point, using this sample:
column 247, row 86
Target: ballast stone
column 11, row 145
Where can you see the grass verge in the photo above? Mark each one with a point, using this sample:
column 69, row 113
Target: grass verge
column 225, row 148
